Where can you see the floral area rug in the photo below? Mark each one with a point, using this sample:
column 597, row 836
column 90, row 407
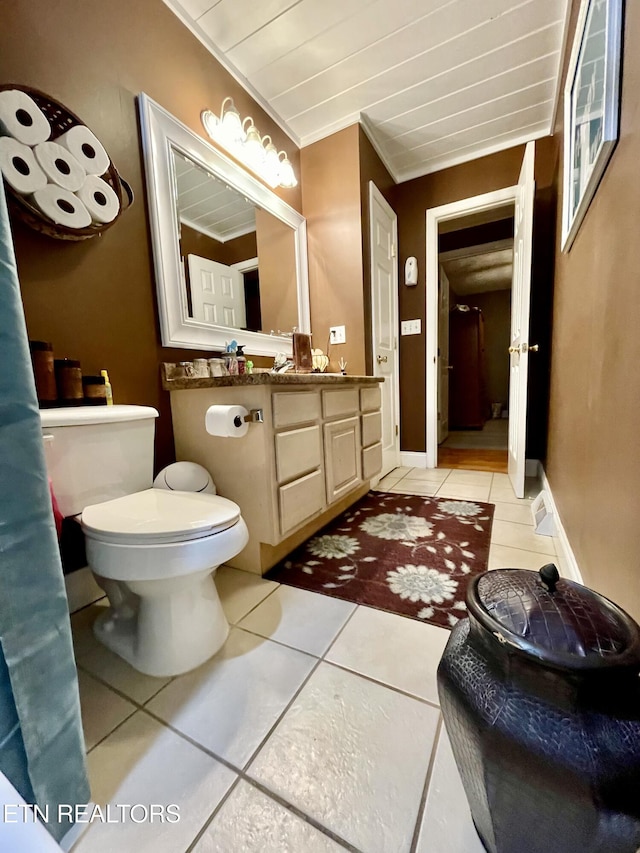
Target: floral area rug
column 408, row 554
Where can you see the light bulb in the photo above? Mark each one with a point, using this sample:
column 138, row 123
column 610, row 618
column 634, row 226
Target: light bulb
column 210, row 122
column 287, row 175
column 230, row 124
column 271, row 169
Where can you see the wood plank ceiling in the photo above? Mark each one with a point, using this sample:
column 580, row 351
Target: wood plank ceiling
column 434, row 82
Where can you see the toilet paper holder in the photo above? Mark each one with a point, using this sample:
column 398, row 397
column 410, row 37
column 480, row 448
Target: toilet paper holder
column 255, row 416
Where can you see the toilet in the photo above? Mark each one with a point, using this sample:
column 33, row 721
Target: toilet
column 154, row 551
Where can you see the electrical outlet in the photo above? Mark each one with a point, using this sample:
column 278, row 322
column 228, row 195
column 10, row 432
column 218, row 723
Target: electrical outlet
column 411, row 327
column 337, row 335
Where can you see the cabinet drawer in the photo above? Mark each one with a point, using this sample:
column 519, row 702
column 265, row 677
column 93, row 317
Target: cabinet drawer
column 343, row 401
column 371, row 428
column 370, row 398
column 371, row 460
column 300, row 500
column 297, row 452
column 295, row 407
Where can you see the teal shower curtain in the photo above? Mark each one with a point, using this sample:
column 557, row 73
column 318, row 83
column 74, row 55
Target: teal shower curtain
column 41, row 741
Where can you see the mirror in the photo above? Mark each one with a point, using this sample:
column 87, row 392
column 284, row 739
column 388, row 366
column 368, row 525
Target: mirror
column 230, row 255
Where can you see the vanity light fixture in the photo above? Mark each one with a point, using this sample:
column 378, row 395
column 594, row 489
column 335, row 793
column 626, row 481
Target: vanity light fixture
column 242, row 138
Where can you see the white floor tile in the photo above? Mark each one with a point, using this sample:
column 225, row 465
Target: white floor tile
column 305, row 620
column 520, row 513
column 98, row 660
column 240, row 591
column 505, row 494
column 469, row 478
column 398, row 651
column 251, row 822
column 518, row 536
column 414, row 487
column 353, row 755
column 387, row 482
column 401, row 471
column 428, row 475
column 229, row 703
column 102, row 709
column 503, row 557
column 145, row 763
column 463, row 492
column 446, row 824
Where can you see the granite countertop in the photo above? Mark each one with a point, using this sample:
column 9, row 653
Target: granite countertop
column 267, row 379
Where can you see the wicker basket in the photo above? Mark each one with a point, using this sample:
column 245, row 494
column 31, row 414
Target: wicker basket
column 61, row 119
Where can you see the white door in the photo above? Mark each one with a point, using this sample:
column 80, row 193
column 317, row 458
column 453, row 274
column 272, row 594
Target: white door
column 520, row 300
column 217, row 293
column 383, row 230
column 443, row 356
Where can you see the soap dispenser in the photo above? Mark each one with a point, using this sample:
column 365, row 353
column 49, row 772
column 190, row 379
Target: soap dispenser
column 242, row 361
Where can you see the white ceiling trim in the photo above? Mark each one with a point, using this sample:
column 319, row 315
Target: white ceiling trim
column 366, row 126
column 204, row 39
column 563, row 54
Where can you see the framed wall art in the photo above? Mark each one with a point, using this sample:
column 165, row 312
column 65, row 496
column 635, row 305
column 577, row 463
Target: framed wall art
column 591, row 108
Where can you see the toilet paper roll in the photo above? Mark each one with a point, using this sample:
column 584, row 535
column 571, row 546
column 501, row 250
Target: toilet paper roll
column 60, row 166
column 86, row 148
column 227, row 421
column 19, row 167
column 99, row 199
column 62, row 206
column 22, row 118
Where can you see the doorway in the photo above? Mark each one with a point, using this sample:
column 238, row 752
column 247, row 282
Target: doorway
column 475, row 257
column 521, row 196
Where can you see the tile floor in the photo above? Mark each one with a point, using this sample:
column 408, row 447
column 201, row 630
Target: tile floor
column 316, row 728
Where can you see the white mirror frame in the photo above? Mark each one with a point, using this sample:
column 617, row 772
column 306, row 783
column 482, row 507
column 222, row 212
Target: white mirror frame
column 160, row 133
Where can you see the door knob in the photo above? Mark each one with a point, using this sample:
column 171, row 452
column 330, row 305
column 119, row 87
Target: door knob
column 514, row 349
column 534, row 348
column 381, row 359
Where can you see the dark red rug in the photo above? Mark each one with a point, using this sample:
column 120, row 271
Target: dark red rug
column 407, row 554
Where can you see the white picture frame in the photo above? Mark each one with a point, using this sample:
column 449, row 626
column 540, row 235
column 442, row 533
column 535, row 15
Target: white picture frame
column 591, row 108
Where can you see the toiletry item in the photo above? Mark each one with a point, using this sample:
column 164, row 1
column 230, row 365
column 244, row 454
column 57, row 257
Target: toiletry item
column 108, row 388
column 60, row 166
column 19, row 167
column 249, row 366
column 62, row 207
column 242, row 361
column 231, row 359
column 95, row 390
column 186, row 369
column 217, row 366
column 69, row 381
column 86, row 148
column 43, row 372
column 22, row 118
column 226, row 421
column 200, row 368
column 99, row 199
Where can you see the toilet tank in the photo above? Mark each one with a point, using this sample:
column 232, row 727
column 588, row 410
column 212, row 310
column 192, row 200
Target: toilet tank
column 98, row 453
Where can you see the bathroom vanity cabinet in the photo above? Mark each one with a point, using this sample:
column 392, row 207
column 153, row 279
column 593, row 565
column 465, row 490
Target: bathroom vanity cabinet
column 314, row 454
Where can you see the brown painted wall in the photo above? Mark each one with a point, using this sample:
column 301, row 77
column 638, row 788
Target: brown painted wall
column 232, row 252
column 96, row 300
column 496, row 310
column 331, row 203
column 593, row 461
column 411, row 201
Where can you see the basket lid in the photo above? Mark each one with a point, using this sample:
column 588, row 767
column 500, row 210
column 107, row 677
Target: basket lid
column 556, row 621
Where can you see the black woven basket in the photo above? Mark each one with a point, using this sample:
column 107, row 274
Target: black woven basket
column 60, row 120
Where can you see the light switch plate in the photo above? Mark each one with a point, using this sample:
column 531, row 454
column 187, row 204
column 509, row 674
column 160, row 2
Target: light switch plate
column 337, row 335
column 411, row 327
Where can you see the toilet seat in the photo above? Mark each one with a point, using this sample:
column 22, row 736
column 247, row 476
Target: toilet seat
column 156, row 517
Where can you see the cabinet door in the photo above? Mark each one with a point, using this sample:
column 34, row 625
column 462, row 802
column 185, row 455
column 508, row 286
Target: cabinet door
column 342, row 457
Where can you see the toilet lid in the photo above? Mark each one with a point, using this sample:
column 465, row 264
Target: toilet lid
column 157, row 515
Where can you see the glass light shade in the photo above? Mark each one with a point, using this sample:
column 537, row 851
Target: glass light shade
column 287, row 175
column 210, row 122
column 230, row 123
column 271, row 169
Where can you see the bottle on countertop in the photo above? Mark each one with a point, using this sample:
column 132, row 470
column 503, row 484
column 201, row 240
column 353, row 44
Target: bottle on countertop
column 242, row 360
column 108, row 388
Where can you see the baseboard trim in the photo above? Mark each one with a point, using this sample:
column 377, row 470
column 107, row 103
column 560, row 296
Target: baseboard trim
column 532, row 467
column 570, row 563
column 413, row 459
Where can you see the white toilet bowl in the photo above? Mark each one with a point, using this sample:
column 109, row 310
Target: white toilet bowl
column 154, row 553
